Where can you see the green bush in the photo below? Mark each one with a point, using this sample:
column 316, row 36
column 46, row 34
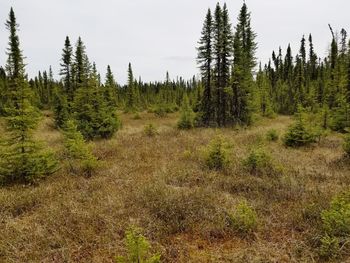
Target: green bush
column 272, row 135
column 346, row 145
column 137, row 249
column 216, row 154
column 150, row 130
column 329, row 247
column 259, row 162
column 244, row 219
column 336, row 225
column 299, row 134
column 78, row 152
column 187, row 117
column 336, row 220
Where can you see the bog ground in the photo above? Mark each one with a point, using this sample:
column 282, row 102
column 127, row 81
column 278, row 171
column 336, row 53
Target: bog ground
column 161, row 185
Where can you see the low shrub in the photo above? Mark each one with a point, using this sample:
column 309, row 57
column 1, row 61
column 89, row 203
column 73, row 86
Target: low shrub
column 150, row 130
column 299, row 135
column 78, row 152
column 336, row 226
column 216, row 154
column 187, row 117
column 259, row 162
column 244, row 219
column 137, row 249
column 346, row 145
column 272, row 135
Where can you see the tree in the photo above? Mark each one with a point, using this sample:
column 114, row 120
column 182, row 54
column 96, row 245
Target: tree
column 66, row 69
column 21, row 158
column 110, row 89
column 78, row 153
column 93, row 116
column 244, row 47
column 205, row 58
column 131, row 100
column 187, row 115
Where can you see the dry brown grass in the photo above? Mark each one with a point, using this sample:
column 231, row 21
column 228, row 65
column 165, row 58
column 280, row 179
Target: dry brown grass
column 160, row 184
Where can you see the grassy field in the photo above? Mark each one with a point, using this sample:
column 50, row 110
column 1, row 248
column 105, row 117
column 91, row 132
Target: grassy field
column 161, row 185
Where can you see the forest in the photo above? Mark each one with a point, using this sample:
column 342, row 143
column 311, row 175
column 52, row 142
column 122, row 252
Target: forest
column 248, row 162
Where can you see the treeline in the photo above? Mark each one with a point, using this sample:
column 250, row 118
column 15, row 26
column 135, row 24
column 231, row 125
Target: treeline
column 318, row 84
column 228, row 92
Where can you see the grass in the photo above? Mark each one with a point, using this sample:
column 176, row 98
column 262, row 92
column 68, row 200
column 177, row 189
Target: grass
column 160, row 185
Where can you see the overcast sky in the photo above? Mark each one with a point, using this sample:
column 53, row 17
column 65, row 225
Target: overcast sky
column 158, row 35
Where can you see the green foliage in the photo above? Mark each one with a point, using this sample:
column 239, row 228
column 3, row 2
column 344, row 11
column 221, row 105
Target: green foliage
column 336, row 225
column 259, row 162
column 21, row 158
column 60, row 109
column 299, row 134
column 346, row 145
column 92, row 114
column 78, row 153
column 187, row 116
column 160, row 110
column 329, row 247
column 137, row 249
column 216, row 154
column 150, row 130
column 272, row 135
column 244, row 219
column 336, row 219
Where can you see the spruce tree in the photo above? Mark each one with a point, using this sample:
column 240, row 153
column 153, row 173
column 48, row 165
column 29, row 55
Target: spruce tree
column 78, row 152
column 131, row 99
column 93, row 116
column 205, row 59
column 187, row 116
column 21, row 158
column 110, row 89
column 66, row 69
column 244, row 46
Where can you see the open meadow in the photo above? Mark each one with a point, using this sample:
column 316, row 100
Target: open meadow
column 161, row 184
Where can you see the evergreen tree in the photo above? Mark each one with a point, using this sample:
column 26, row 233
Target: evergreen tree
column 66, row 69
column 93, row 116
column 187, row 115
column 131, row 100
column 78, row 153
column 205, row 59
column 110, row 89
column 21, row 158
column 244, row 61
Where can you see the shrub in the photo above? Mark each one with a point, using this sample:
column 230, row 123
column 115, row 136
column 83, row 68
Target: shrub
column 336, row 225
column 150, row 130
column 78, row 153
column 187, row 116
column 160, row 110
column 137, row 249
column 299, row 134
column 259, row 162
column 216, row 154
column 346, row 145
column 336, row 220
column 272, row 135
column 329, row 247
column 244, row 219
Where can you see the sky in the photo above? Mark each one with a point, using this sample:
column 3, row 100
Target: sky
column 156, row 36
